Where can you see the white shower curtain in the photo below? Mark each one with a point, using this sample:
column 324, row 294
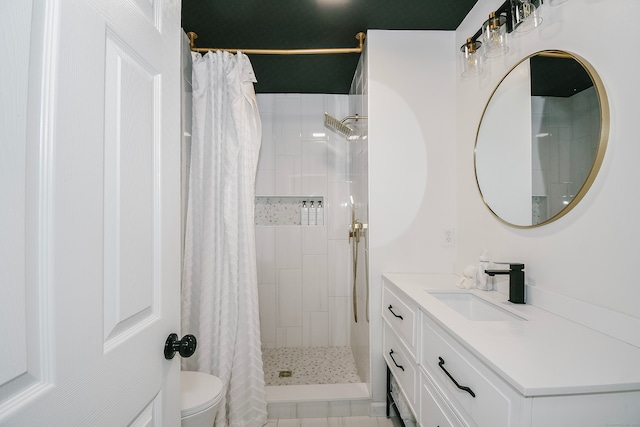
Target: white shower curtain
column 220, row 292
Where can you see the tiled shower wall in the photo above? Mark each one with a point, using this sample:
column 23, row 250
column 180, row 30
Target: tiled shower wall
column 304, row 271
column 359, row 184
column 563, row 157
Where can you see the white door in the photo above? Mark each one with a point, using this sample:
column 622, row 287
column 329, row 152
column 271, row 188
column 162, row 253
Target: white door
column 89, row 212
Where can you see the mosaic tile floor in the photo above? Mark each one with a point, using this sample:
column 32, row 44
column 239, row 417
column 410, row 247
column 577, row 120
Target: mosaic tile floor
column 309, row 365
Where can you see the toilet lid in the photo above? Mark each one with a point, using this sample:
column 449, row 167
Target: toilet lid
column 198, row 391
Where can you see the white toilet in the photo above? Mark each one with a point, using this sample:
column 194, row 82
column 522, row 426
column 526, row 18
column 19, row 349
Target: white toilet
column 200, row 395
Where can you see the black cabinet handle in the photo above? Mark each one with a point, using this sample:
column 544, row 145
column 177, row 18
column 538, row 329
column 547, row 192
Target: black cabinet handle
column 394, row 360
column 391, row 310
column 461, row 387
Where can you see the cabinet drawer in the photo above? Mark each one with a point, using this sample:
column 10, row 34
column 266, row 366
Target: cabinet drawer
column 402, row 366
column 401, row 313
column 434, row 411
column 488, row 401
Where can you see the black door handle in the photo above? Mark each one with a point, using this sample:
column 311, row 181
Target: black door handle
column 185, row 347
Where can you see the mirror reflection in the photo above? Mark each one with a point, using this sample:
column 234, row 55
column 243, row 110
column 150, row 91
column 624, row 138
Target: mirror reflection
column 541, row 139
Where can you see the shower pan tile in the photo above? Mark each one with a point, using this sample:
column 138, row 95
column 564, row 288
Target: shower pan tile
column 309, row 365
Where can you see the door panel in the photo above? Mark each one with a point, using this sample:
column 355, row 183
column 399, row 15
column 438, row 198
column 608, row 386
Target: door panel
column 131, row 143
column 96, row 237
column 21, row 362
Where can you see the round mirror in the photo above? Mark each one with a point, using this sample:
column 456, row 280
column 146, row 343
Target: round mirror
column 541, row 139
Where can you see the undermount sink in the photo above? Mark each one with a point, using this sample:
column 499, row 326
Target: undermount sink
column 473, row 307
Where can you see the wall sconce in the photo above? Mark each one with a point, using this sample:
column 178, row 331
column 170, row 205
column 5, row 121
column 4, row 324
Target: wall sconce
column 526, row 15
column 494, row 34
column 521, row 14
column 471, row 58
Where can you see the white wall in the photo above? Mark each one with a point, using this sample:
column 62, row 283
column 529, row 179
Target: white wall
column 589, row 253
column 412, row 166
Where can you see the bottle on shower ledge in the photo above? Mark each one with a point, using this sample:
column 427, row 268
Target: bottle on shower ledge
column 304, row 213
column 312, row 214
column 319, row 214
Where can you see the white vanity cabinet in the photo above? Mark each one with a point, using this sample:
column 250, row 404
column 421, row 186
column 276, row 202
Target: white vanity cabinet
column 401, row 314
column 434, row 410
column 402, row 366
column 544, row 371
column 414, row 360
column 478, row 395
column 399, row 341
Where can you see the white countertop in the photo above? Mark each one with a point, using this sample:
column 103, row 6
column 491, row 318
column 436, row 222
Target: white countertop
column 544, row 355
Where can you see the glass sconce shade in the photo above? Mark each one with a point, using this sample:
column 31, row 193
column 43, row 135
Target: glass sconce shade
column 471, row 58
column 526, row 15
column 494, row 34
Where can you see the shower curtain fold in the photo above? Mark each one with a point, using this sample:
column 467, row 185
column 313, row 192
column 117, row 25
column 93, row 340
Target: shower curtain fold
column 220, row 292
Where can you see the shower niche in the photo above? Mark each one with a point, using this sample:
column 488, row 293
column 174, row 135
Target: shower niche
column 286, row 210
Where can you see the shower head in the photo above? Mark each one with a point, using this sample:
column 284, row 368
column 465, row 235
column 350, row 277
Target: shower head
column 340, row 126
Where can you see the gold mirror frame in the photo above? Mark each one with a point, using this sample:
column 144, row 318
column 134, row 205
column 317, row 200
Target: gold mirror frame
column 602, row 143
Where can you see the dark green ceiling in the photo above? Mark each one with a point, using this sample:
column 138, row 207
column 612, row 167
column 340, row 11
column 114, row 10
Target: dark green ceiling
column 300, row 24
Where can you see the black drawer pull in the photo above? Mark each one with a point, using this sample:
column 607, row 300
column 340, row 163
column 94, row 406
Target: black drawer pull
column 394, row 360
column 391, row 310
column 461, row 387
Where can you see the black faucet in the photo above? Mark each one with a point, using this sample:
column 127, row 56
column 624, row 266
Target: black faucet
column 516, row 280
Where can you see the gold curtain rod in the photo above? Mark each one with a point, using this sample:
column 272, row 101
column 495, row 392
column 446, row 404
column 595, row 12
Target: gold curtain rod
column 360, row 36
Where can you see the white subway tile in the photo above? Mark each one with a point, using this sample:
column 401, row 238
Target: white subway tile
column 314, row 240
column 340, row 268
column 306, row 329
column 307, row 410
column 338, row 158
column 288, row 180
column 294, row 336
column 340, row 316
column 314, row 158
column 266, row 103
column 265, row 255
column 318, row 329
column 314, row 283
column 267, row 157
column 360, row 411
column 338, row 210
column 287, row 124
column 314, row 185
column 312, row 117
column 281, row 337
column 288, row 247
column 289, row 293
column 267, row 308
column 265, row 182
column 340, row 408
